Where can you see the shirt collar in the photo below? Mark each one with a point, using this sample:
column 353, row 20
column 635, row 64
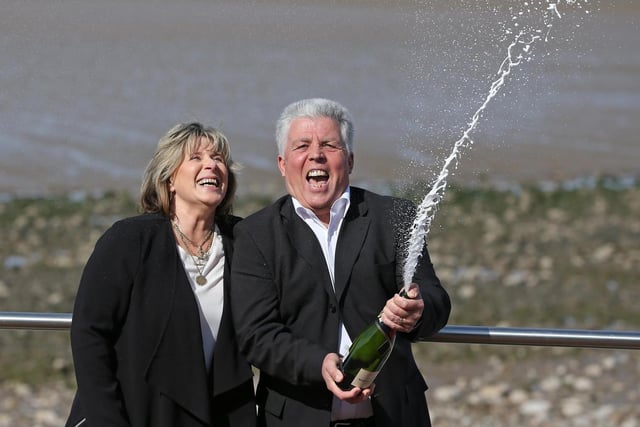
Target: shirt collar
column 338, row 208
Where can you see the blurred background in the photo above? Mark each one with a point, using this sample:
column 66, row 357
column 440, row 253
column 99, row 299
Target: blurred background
column 88, row 87
column 540, row 225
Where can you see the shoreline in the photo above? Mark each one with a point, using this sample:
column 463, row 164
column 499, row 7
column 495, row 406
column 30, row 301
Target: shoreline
column 272, row 187
column 489, row 167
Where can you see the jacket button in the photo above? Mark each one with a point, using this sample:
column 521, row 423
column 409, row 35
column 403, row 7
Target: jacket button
column 332, row 308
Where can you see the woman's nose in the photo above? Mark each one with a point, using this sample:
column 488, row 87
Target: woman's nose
column 211, row 162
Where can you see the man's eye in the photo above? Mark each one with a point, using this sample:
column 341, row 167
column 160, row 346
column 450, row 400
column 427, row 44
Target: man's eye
column 301, row 147
column 330, row 146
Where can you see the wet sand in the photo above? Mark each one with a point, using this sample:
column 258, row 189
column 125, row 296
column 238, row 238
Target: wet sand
column 85, row 99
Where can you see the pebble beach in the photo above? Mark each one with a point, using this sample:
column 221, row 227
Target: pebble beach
column 563, row 256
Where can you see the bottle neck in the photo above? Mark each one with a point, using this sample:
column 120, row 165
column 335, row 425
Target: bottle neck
column 390, row 333
column 384, row 328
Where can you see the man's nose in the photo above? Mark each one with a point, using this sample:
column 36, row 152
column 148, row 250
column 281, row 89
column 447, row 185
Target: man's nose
column 316, row 151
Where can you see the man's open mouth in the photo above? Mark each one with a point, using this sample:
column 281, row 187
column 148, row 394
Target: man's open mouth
column 317, row 175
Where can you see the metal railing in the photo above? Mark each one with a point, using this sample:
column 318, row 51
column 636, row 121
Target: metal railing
column 449, row 334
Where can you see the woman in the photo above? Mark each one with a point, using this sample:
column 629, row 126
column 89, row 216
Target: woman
column 151, row 336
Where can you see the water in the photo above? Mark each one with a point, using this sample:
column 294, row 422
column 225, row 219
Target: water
column 520, row 50
column 88, row 87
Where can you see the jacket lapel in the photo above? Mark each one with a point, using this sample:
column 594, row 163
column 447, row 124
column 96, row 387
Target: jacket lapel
column 352, row 235
column 177, row 367
column 228, row 366
column 306, row 244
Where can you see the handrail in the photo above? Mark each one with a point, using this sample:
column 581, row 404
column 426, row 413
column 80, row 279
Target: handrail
column 538, row 337
column 30, row 320
column 449, row 334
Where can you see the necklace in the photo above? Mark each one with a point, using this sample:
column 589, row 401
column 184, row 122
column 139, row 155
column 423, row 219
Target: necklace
column 201, row 258
column 186, row 240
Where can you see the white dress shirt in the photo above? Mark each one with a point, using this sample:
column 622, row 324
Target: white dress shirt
column 328, row 238
column 210, row 296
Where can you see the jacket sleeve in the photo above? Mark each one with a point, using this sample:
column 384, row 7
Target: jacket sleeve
column 99, row 313
column 263, row 336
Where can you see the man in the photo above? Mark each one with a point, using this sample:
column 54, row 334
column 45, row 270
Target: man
column 314, row 269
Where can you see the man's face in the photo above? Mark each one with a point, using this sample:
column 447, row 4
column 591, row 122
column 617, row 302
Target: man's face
column 316, row 165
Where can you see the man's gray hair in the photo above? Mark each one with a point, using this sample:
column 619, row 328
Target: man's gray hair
column 314, row 108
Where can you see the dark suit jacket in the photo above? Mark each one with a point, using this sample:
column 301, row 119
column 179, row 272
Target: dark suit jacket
column 136, row 341
column 287, row 314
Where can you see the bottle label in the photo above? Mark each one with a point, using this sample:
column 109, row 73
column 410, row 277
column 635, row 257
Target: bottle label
column 364, row 378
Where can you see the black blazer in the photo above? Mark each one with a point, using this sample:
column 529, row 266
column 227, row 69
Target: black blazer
column 287, row 314
column 136, row 341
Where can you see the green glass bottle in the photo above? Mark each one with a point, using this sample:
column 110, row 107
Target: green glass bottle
column 368, row 354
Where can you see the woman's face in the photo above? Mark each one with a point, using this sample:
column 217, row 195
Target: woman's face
column 201, row 180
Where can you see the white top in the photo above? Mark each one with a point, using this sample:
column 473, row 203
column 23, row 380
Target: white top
column 328, row 238
column 210, row 296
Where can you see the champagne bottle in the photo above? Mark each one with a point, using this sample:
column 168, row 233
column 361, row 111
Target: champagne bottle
column 368, row 354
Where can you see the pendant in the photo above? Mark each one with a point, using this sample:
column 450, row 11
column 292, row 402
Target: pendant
column 200, row 279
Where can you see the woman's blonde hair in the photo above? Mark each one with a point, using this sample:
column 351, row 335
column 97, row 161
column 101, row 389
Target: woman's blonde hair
column 182, row 139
